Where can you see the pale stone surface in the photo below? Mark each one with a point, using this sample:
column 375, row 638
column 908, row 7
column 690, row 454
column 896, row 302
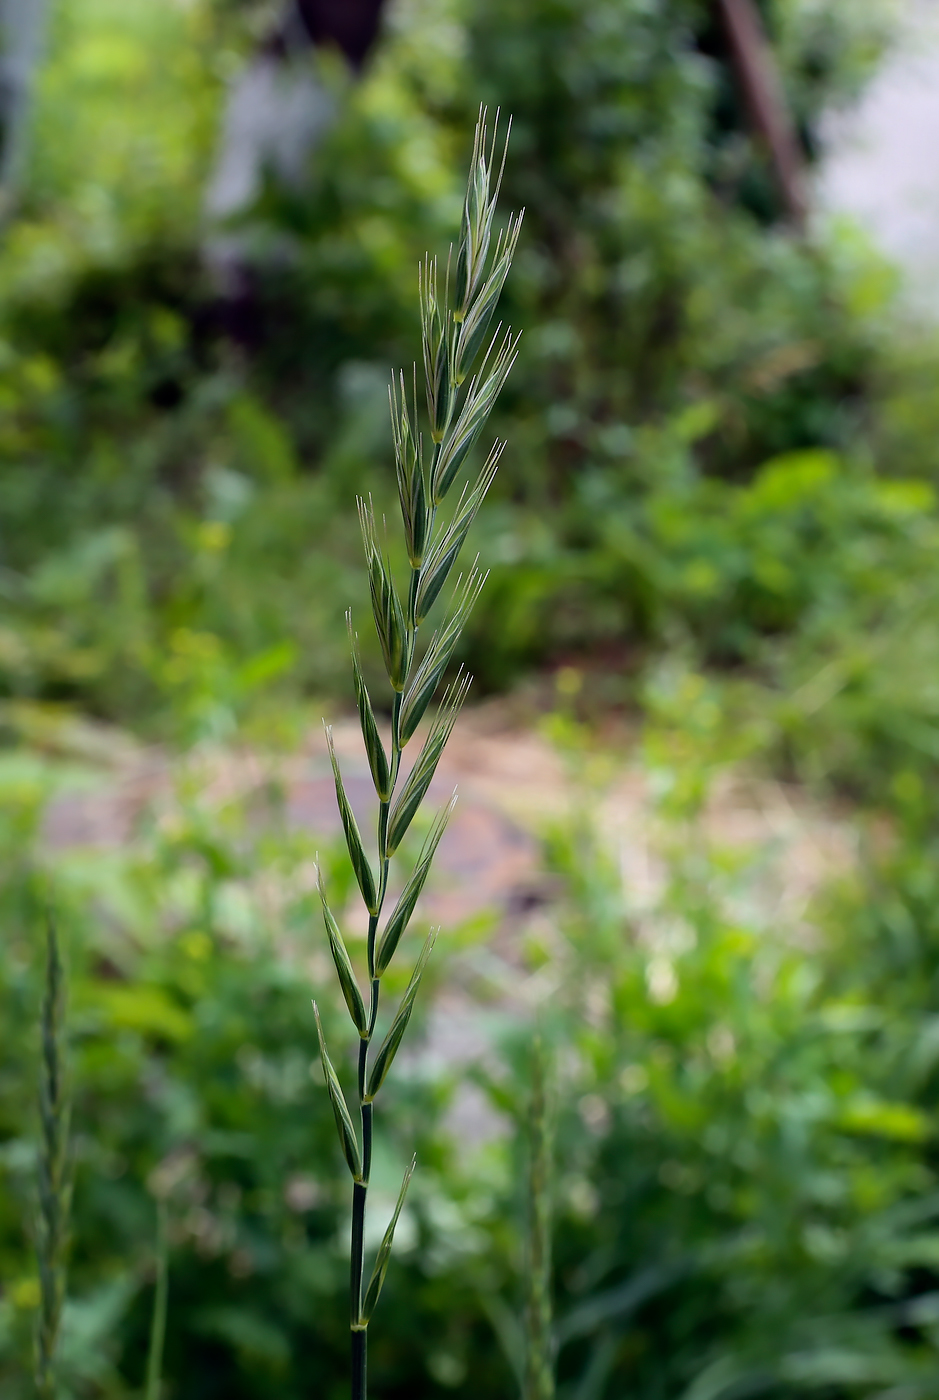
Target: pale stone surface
column 512, row 784
column 882, row 162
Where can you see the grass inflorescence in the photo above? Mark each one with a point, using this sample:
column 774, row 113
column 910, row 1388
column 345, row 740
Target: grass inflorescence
column 465, row 363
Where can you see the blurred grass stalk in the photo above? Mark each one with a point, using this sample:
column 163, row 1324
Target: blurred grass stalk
column 22, row 26
column 52, row 1224
column 465, row 368
column 158, row 1319
column 539, row 1352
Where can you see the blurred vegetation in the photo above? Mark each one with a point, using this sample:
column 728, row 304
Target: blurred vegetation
column 718, row 508
column 745, row 1180
column 164, row 450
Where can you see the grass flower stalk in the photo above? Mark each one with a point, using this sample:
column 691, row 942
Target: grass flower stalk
column 465, row 364
column 52, row 1224
column 539, row 1359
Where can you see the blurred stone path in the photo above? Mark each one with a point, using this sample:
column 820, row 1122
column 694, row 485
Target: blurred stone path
column 490, row 865
column 489, row 859
column 512, row 784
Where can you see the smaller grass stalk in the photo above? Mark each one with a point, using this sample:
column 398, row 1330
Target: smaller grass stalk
column 158, row 1317
column 52, row 1223
column 539, row 1358
column 465, row 364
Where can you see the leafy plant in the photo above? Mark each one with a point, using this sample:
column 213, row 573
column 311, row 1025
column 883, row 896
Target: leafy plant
column 458, row 350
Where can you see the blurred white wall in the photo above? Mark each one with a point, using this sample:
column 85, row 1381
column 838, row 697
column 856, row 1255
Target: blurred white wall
column 882, row 162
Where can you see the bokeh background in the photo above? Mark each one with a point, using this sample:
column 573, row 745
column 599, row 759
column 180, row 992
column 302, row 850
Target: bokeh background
column 698, row 842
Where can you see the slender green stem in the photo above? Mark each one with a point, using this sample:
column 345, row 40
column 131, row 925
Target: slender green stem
column 539, row 1375
column 54, row 1186
column 357, row 1256
column 360, row 1195
column 359, row 1363
column 396, row 722
column 158, row 1321
column 373, row 1013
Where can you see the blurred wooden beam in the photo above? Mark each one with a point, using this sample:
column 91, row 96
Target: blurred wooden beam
column 758, row 75
column 352, row 25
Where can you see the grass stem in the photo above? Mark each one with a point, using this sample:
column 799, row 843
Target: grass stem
column 539, row 1371
column 160, row 1299
column 54, row 1185
column 359, row 1364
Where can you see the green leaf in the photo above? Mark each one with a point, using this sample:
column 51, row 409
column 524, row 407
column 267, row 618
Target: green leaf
column 404, row 908
column 347, row 1137
column 389, row 1046
column 897, row 1122
column 143, row 1009
column 384, row 1250
column 344, row 969
column 374, row 748
column 363, row 871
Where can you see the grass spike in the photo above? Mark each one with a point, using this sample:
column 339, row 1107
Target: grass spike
column 455, row 322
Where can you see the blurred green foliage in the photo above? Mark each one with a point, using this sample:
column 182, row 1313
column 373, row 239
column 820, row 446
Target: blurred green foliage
column 745, row 1179
column 196, row 1079
column 175, row 498
column 751, row 1192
